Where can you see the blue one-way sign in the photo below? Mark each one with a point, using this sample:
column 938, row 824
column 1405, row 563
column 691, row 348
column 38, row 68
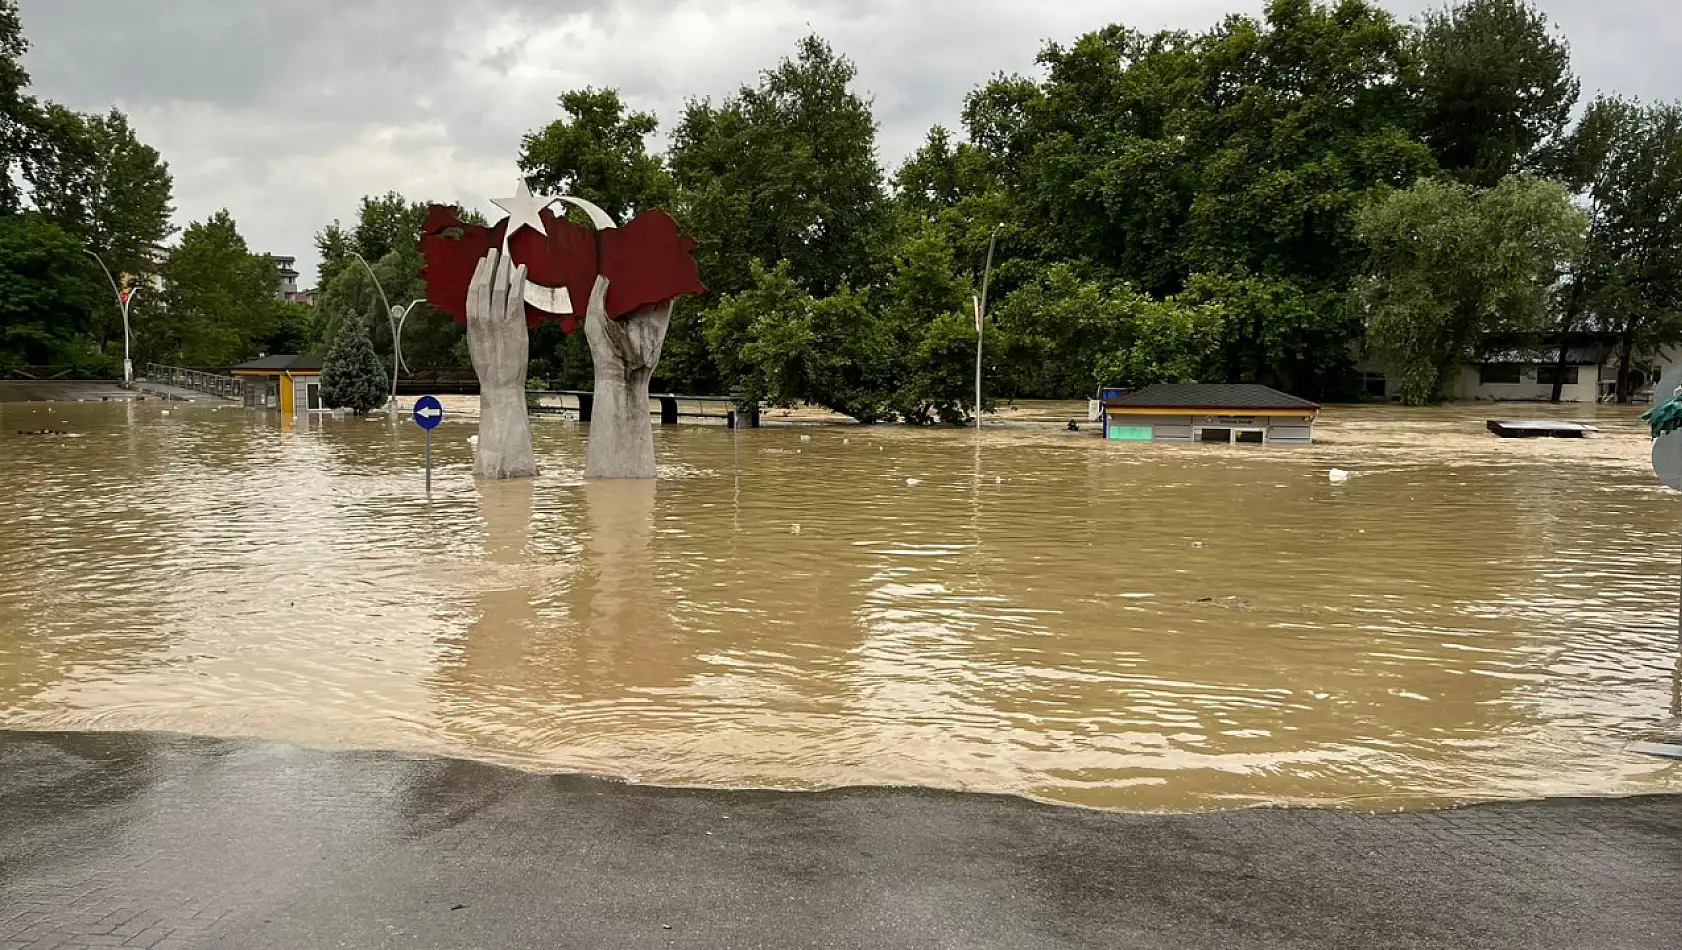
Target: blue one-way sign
column 428, row 412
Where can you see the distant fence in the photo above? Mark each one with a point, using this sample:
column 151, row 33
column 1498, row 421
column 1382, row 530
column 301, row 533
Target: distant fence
column 196, row 380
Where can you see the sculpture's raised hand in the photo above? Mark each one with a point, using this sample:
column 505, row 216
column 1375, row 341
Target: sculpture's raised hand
column 498, row 345
column 625, row 352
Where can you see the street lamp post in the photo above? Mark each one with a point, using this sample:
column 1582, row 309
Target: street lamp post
column 396, row 316
column 125, row 299
column 981, row 319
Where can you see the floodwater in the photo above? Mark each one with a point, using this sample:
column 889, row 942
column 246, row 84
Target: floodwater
column 1026, row 611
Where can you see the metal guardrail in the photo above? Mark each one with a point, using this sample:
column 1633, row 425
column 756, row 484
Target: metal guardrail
column 196, row 380
column 49, row 373
column 728, row 408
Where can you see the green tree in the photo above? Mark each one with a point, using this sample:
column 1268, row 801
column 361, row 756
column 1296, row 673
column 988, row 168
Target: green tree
column 1171, row 342
column 1060, row 330
column 926, row 285
column 92, row 177
column 384, row 223
column 941, row 382
column 1497, row 88
column 336, row 247
column 1278, row 331
column 48, row 297
column 290, row 332
column 220, row 301
column 1626, row 159
column 1453, row 265
column 598, row 151
column 18, row 112
column 351, row 375
column 784, row 170
column 1242, row 152
column 783, row 347
column 385, row 233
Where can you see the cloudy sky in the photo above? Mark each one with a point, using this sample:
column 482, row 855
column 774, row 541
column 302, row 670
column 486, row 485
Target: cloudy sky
column 287, row 112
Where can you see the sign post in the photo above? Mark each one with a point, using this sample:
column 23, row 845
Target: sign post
column 1665, row 418
column 125, row 297
column 428, row 413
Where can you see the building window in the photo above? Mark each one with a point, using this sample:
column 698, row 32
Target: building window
column 1498, row 373
column 1130, row 433
column 1250, row 436
column 1546, row 375
column 1375, row 385
column 1214, row 435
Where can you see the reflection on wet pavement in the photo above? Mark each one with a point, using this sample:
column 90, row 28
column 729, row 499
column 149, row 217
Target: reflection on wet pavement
column 1035, row 611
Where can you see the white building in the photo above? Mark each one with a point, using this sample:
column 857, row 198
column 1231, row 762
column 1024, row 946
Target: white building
column 1526, row 374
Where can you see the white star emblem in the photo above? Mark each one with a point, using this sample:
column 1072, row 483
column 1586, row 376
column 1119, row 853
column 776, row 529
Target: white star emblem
column 523, row 209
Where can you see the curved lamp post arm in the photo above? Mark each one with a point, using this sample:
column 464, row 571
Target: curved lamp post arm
column 391, row 317
column 123, row 302
column 373, row 278
column 402, row 315
column 114, row 288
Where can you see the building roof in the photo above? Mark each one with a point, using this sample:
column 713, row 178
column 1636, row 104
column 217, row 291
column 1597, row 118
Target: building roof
column 1224, row 396
column 279, row 363
column 1549, row 355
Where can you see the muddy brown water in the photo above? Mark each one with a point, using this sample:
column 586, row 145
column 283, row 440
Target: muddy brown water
column 1028, row 611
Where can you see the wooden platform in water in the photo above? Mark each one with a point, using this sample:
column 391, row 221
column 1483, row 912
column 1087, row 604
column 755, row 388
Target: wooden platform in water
column 1540, row 429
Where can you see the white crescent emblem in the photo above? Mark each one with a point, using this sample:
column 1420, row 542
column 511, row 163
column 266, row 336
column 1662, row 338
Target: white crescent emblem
column 601, row 219
column 554, row 300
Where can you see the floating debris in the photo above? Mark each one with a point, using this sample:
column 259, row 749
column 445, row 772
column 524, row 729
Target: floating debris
column 1541, row 429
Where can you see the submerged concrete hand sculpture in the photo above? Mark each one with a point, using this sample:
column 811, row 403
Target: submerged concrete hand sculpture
column 497, row 342
column 625, row 352
column 624, row 279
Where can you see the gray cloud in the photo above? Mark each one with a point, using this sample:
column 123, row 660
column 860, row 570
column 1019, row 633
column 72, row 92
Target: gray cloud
column 287, row 113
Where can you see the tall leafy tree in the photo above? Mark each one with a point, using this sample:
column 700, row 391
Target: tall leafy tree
column 18, row 115
column 782, row 346
column 48, row 297
column 598, row 151
column 1497, row 88
column 385, row 233
column 1626, row 157
column 784, row 170
column 930, row 321
column 958, row 188
column 94, row 178
column 1454, row 265
column 1243, row 152
column 221, row 298
column 384, row 223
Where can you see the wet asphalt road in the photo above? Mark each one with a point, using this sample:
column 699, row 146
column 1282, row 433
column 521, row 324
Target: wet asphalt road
column 169, row 842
